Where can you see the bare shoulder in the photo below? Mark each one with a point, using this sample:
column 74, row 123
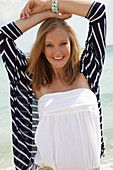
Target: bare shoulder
column 37, row 94
column 41, row 92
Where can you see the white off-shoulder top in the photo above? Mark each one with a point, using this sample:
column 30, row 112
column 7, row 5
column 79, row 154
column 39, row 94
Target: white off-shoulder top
column 68, row 133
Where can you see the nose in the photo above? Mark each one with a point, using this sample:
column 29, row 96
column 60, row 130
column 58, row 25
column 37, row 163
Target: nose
column 57, row 50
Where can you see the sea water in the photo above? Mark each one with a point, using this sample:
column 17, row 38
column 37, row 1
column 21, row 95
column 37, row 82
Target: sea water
column 6, row 156
column 107, row 105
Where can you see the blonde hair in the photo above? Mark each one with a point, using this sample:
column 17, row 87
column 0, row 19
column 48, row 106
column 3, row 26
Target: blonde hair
column 38, row 66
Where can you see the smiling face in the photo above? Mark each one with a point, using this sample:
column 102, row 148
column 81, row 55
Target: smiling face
column 57, row 48
column 55, row 54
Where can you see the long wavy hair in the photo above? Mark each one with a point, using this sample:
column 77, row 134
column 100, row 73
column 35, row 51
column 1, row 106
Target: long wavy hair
column 39, row 68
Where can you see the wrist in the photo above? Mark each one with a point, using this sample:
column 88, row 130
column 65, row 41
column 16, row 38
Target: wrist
column 48, row 4
column 60, row 3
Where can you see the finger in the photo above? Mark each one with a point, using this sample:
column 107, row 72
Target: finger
column 27, row 13
column 24, row 14
column 28, row 8
column 21, row 15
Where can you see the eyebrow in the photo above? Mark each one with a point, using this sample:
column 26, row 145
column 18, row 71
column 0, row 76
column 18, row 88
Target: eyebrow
column 52, row 42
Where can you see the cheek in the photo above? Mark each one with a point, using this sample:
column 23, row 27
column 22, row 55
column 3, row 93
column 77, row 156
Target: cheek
column 67, row 51
column 47, row 53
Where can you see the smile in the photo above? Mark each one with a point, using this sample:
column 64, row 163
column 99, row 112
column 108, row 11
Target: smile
column 58, row 58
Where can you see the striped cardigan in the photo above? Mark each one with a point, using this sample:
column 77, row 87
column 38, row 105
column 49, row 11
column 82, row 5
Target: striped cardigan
column 24, row 106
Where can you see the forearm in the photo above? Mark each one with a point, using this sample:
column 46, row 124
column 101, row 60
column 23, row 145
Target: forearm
column 26, row 24
column 77, row 7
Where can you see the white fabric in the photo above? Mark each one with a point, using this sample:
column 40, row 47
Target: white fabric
column 68, row 133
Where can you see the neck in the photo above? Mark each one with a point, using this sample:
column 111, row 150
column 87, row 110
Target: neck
column 58, row 75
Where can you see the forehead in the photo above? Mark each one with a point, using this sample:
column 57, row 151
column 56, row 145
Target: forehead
column 58, row 34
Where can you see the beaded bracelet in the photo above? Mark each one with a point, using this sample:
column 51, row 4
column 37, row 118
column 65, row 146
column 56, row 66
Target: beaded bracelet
column 54, row 6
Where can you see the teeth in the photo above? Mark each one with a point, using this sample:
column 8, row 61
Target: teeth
column 58, row 58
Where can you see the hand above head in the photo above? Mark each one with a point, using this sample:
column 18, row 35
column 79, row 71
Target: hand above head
column 39, row 6
column 33, row 7
column 76, row 7
column 61, row 15
column 37, row 18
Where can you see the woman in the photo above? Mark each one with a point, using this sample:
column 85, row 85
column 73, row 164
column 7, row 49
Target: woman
column 67, row 90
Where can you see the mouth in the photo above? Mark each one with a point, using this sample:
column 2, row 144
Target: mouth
column 58, row 58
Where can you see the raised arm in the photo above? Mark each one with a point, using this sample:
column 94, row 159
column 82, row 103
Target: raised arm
column 93, row 56
column 34, row 19
column 76, row 7
column 92, row 59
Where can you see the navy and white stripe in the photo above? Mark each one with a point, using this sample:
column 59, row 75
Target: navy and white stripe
column 24, row 105
column 93, row 56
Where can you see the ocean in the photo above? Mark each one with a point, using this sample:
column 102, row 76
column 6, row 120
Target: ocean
column 6, row 156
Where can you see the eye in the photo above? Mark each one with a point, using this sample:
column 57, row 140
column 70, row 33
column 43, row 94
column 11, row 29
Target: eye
column 64, row 43
column 49, row 45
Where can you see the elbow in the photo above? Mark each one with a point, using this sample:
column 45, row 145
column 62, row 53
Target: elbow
column 103, row 9
column 97, row 12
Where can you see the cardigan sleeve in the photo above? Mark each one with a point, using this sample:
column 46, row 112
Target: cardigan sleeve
column 11, row 55
column 20, row 97
column 92, row 58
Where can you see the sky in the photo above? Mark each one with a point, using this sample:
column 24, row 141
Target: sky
column 10, row 11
